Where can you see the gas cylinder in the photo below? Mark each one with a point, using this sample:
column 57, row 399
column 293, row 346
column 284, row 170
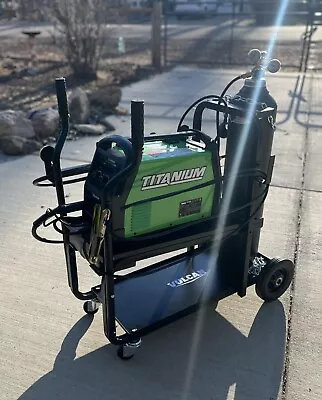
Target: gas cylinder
column 248, row 153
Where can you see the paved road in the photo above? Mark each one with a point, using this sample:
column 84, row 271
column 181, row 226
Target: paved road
column 186, row 29
column 201, row 42
column 247, row 350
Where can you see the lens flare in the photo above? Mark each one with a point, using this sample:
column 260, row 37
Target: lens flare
column 225, row 208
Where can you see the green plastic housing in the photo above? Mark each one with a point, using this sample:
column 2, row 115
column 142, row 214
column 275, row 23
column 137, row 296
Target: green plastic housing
column 165, row 169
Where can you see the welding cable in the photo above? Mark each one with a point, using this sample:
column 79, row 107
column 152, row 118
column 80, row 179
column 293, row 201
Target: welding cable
column 209, row 96
column 54, row 222
column 50, row 213
column 214, row 97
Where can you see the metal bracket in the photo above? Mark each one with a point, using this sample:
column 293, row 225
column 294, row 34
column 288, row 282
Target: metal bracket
column 270, row 170
column 257, row 265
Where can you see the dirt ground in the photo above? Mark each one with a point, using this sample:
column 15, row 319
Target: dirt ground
column 19, row 90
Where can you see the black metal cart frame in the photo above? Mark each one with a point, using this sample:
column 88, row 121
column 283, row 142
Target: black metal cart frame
column 237, row 265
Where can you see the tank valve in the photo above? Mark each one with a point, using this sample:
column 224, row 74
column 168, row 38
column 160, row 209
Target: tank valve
column 261, row 62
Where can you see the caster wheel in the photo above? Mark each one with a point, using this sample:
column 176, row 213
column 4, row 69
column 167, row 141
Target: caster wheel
column 128, row 350
column 121, row 353
column 91, row 307
column 274, row 279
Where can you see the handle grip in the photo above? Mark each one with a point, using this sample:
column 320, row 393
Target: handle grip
column 62, row 100
column 137, row 128
column 64, row 116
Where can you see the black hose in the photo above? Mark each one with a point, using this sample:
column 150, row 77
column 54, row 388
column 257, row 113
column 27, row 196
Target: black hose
column 217, row 139
column 209, row 96
column 230, row 84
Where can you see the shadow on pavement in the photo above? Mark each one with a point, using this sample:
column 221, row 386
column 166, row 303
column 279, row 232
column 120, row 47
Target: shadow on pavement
column 296, row 99
column 225, row 358
column 311, row 113
column 295, row 109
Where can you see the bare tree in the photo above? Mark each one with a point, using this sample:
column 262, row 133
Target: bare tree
column 81, row 23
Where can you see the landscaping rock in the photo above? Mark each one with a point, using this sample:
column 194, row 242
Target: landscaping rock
column 88, row 129
column 8, row 64
column 15, row 123
column 45, row 122
column 79, row 107
column 107, row 97
column 17, row 145
column 108, row 126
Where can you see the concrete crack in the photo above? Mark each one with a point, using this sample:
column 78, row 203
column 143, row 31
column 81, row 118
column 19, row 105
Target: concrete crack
column 296, row 247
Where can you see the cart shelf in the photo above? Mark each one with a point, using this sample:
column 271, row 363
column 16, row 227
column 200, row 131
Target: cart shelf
column 154, row 296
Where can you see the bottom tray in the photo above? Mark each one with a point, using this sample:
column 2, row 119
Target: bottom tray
column 147, row 298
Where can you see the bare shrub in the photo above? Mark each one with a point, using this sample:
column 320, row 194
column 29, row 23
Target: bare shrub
column 81, row 23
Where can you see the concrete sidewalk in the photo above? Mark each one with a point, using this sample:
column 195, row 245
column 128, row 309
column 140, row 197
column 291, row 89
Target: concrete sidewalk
column 248, row 350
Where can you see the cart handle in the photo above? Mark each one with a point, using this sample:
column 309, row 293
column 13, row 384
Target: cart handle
column 212, row 105
column 137, row 129
column 64, row 118
column 196, row 134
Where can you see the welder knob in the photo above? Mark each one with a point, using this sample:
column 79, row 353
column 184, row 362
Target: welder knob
column 274, row 65
column 254, row 55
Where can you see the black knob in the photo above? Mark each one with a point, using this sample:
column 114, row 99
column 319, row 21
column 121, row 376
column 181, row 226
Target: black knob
column 46, row 154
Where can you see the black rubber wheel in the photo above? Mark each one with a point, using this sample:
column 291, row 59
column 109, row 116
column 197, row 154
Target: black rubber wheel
column 88, row 309
column 274, row 279
column 120, row 354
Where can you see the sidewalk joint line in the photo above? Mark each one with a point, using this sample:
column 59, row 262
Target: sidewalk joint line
column 296, row 249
